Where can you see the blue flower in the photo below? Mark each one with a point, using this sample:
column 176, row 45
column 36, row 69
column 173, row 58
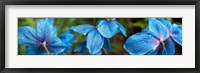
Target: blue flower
column 175, row 35
column 43, row 39
column 108, row 28
column 155, row 39
column 68, row 39
column 95, row 41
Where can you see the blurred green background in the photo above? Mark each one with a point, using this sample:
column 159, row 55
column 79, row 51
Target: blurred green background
column 132, row 26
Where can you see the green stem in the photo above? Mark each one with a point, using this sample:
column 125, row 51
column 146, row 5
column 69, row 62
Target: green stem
column 163, row 45
column 105, row 51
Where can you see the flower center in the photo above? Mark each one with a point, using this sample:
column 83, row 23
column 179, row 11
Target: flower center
column 44, row 43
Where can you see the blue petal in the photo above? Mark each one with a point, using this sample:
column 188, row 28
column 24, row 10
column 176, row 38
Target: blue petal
column 99, row 53
column 68, row 47
column 27, row 36
column 177, row 34
column 155, row 51
column 83, row 29
column 158, row 29
column 80, row 46
column 107, row 28
column 55, row 50
column 140, row 43
column 45, row 29
column 169, row 46
column 122, row 29
column 57, row 46
column 94, row 42
column 67, row 38
column 35, row 50
column 107, row 44
column 57, row 42
column 167, row 23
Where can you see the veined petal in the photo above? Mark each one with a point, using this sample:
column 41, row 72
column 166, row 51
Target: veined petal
column 27, row 36
column 121, row 28
column 107, row 44
column 169, row 46
column 140, row 43
column 177, row 34
column 107, row 28
column 94, row 42
column 34, row 50
column 155, row 51
column 158, row 29
column 55, row 50
column 83, row 29
column 57, row 43
column 45, row 29
column 56, row 46
column 167, row 23
column 67, row 38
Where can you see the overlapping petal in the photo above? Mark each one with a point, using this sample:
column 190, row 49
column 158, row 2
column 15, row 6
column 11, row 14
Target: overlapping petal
column 158, row 29
column 155, row 51
column 83, row 29
column 140, row 43
column 68, row 47
column 166, row 23
column 121, row 28
column 56, row 46
column 80, row 47
column 176, row 31
column 45, row 29
column 169, row 46
column 27, row 36
column 67, row 37
column 107, row 44
column 94, row 42
column 107, row 28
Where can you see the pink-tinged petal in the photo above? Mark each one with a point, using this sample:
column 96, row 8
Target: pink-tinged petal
column 140, row 44
column 158, row 29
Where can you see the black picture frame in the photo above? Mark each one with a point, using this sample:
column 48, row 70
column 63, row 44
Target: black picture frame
column 98, row 2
